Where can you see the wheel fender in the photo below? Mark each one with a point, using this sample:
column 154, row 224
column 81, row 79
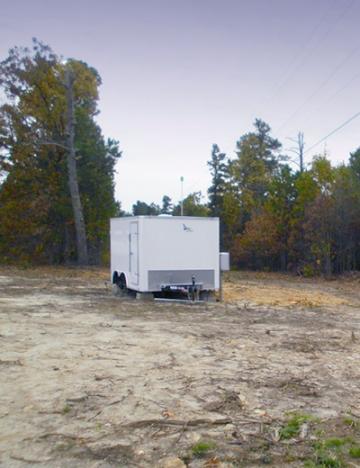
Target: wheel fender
column 117, row 275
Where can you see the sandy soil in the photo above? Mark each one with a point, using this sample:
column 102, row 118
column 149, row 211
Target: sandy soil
column 92, row 380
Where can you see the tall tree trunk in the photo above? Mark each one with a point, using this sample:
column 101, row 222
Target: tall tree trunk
column 81, row 242
column 327, row 260
column 283, row 260
column 67, row 244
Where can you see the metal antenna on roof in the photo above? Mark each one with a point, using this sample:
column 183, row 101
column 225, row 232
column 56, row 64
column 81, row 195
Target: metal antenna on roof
column 182, row 195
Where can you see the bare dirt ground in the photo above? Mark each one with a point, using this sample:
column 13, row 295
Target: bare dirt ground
column 270, row 376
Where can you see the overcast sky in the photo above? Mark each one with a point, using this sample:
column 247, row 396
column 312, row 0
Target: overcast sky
column 180, row 75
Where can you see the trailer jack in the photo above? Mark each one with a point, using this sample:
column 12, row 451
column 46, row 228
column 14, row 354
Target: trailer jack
column 194, row 290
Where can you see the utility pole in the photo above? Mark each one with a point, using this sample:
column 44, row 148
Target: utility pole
column 182, row 195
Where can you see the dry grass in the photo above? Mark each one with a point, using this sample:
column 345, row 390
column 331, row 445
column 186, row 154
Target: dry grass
column 51, row 272
column 273, row 295
column 274, row 289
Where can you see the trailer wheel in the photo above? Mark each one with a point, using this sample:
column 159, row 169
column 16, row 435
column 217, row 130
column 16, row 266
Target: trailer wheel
column 122, row 283
column 115, row 277
column 119, row 282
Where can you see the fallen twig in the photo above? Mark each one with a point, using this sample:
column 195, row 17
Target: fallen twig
column 110, row 404
column 96, row 414
column 58, row 434
column 178, row 422
column 30, row 460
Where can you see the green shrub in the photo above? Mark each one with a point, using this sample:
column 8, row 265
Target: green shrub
column 308, row 271
column 202, row 447
column 293, row 425
column 354, row 451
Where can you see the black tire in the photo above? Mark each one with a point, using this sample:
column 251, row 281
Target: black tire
column 115, row 277
column 122, row 283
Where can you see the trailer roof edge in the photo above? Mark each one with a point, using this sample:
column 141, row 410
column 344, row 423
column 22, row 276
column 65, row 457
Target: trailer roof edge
column 167, row 217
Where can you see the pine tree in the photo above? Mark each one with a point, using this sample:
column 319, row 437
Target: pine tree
column 166, row 205
column 218, row 171
column 257, row 161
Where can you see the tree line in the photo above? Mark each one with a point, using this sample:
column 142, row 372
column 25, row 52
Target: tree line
column 57, row 182
column 275, row 217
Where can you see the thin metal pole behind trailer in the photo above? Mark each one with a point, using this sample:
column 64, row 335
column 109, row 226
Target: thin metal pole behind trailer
column 152, row 254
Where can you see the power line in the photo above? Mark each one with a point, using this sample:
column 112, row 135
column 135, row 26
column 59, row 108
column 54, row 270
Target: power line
column 321, row 86
column 312, row 112
column 340, row 90
column 306, row 56
column 334, row 131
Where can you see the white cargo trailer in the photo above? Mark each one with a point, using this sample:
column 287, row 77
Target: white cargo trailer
column 162, row 253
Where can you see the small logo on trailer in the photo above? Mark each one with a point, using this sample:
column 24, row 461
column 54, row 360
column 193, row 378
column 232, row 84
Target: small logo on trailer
column 187, row 228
